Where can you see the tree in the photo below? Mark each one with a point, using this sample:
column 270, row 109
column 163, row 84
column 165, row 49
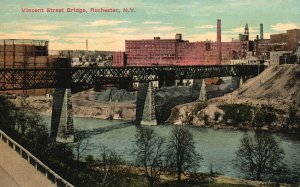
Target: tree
column 149, row 153
column 36, row 132
column 82, row 144
column 6, row 114
column 259, row 157
column 181, row 152
column 21, row 121
column 110, row 167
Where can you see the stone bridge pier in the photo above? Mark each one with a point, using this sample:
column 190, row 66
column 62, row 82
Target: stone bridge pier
column 145, row 105
column 62, row 128
column 203, row 94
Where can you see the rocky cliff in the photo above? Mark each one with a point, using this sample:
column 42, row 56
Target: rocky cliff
column 278, row 87
column 111, row 104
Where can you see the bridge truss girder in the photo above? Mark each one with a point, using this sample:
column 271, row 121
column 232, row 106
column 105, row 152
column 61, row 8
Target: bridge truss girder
column 78, row 78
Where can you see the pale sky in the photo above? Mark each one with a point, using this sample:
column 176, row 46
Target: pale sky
column 195, row 19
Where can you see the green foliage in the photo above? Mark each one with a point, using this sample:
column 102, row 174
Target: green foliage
column 60, row 152
column 36, row 133
column 227, row 185
column 7, row 114
column 205, row 118
column 27, row 128
column 217, row 115
column 264, row 116
column 89, row 159
column 87, row 178
column 237, row 113
column 292, row 114
column 240, row 113
column 175, row 113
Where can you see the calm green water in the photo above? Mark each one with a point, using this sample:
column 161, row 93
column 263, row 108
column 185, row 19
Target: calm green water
column 216, row 146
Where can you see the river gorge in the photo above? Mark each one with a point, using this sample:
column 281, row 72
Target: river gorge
column 217, row 146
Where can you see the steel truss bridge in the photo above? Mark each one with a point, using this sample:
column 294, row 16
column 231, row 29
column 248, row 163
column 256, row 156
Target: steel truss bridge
column 86, row 77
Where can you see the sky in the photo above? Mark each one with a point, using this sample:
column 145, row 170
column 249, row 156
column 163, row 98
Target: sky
column 195, row 19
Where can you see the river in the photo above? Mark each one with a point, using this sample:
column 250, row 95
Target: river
column 217, row 146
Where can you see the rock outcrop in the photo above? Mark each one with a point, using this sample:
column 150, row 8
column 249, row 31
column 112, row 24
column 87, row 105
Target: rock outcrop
column 278, row 87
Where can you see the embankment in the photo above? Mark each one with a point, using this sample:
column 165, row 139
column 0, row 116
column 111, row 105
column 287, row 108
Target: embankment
column 276, row 90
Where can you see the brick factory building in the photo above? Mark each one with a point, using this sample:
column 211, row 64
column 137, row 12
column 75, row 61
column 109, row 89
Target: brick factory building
column 285, row 41
column 119, row 58
column 167, row 52
column 23, row 53
column 179, row 52
column 17, row 53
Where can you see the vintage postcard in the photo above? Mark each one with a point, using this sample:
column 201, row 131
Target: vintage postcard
column 134, row 93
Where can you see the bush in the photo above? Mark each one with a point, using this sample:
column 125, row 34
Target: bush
column 198, row 107
column 292, row 115
column 264, row 116
column 7, row 114
column 175, row 113
column 188, row 119
column 217, row 116
column 237, row 113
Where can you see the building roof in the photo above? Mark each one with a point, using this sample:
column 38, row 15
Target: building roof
column 213, row 81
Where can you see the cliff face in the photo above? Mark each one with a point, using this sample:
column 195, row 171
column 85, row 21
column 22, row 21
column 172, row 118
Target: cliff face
column 277, row 86
column 89, row 104
column 110, row 104
column 168, row 97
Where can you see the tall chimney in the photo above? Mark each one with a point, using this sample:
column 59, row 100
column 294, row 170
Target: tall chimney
column 261, row 31
column 256, row 46
column 219, row 54
column 86, row 45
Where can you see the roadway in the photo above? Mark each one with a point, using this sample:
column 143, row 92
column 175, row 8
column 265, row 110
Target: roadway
column 17, row 172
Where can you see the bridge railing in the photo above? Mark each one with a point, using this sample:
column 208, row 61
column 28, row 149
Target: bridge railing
column 39, row 165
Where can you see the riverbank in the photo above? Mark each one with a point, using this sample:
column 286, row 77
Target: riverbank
column 113, row 103
column 209, row 142
column 83, row 106
column 196, row 179
column 269, row 101
column 217, row 146
column 233, row 116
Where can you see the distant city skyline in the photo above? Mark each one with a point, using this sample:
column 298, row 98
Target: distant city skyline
column 195, row 19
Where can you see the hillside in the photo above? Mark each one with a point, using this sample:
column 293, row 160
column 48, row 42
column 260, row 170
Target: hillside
column 277, row 86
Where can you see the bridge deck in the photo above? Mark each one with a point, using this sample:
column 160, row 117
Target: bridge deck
column 17, row 172
column 82, row 78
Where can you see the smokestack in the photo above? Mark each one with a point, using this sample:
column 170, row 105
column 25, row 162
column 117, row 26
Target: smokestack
column 219, row 55
column 86, row 45
column 256, row 46
column 261, row 31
